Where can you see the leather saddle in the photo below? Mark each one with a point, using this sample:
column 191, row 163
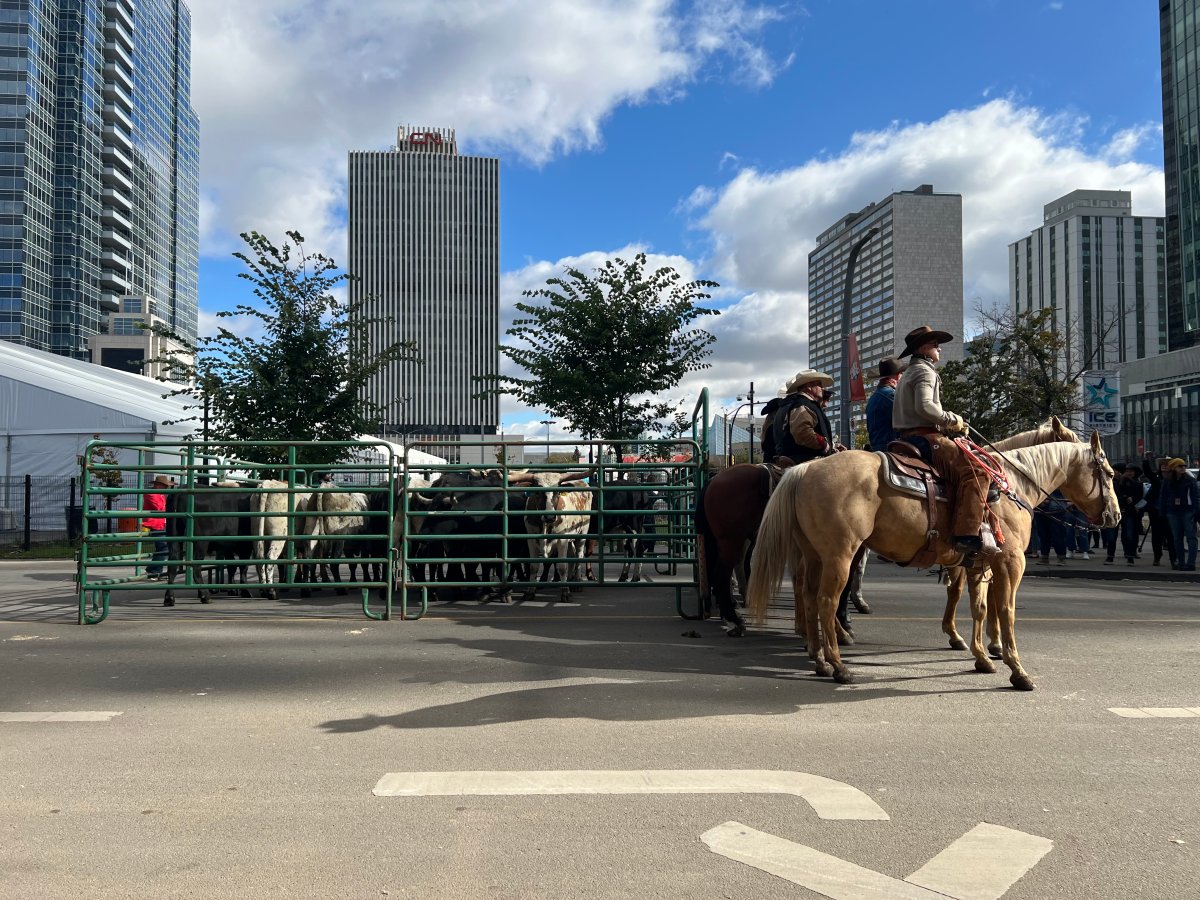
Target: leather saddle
column 905, row 470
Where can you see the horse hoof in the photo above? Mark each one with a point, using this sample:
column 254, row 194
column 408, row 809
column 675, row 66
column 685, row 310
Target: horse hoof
column 862, row 606
column 845, row 638
column 204, row 598
column 843, row 677
column 1022, row 682
column 738, row 630
column 985, row 667
column 622, row 579
column 995, row 652
column 958, row 644
column 168, row 601
column 823, row 671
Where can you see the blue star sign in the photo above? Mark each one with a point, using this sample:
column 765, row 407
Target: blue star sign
column 1100, row 393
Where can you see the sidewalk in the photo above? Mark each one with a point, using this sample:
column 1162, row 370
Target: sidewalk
column 1143, row 568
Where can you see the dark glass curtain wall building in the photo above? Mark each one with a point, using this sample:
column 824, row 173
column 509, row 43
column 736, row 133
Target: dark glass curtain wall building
column 99, row 167
column 1179, row 23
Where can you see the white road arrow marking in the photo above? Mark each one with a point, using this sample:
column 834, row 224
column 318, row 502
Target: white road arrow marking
column 981, row 865
column 830, row 799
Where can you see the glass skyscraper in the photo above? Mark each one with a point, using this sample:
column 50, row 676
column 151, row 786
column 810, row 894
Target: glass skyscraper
column 1179, row 23
column 99, row 167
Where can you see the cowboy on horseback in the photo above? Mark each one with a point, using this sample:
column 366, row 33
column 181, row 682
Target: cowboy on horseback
column 919, row 418
column 800, row 429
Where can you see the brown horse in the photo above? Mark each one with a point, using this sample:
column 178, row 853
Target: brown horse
column 797, row 528
column 727, row 516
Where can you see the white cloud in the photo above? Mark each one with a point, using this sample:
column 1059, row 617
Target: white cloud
column 284, row 88
column 1007, row 162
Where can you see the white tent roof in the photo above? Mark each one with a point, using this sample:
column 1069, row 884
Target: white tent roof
column 43, row 393
column 416, row 458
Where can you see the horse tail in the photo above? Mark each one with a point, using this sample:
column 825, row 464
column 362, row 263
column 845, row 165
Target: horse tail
column 775, row 548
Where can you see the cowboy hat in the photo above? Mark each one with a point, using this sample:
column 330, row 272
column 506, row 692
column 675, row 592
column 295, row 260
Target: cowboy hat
column 921, row 335
column 808, row 376
column 889, row 366
column 164, row 480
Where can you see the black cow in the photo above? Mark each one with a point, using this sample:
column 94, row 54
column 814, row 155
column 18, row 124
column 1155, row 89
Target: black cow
column 633, row 517
column 209, row 531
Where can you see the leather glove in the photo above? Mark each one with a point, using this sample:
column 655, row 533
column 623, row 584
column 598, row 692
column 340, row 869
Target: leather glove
column 956, row 425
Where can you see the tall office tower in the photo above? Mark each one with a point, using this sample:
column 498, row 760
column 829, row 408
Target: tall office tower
column 100, row 152
column 425, row 250
column 908, row 274
column 1103, row 272
column 1179, row 25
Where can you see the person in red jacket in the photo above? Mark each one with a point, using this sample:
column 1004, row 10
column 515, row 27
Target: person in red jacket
column 157, row 525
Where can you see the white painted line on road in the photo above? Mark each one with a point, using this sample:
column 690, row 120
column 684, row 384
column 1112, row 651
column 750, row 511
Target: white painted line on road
column 80, row 716
column 829, row 799
column 983, row 863
column 1156, row 712
column 809, row 868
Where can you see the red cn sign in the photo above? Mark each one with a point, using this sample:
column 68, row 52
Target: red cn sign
column 424, row 137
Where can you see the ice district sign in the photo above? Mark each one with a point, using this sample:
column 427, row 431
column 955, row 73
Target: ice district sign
column 1101, row 401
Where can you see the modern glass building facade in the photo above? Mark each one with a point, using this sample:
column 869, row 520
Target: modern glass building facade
column 1179, row 23
column 908, row 274
column 99, row 167
column 425, row 252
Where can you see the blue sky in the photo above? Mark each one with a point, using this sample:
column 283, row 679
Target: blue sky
column 720, row 136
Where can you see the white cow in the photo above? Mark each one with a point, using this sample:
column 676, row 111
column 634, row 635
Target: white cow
column 562, row 524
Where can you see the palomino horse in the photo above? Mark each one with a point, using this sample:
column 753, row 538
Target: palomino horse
column 731, row 508
column 1049, row 432
column 798, row 528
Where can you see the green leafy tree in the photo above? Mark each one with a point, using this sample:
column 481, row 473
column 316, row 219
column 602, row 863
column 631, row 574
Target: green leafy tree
column 1017, row 372
column 603, row 347
column 302, row 376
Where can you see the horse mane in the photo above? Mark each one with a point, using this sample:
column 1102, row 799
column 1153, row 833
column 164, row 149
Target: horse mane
column 1052, row 430
column 1042, row 465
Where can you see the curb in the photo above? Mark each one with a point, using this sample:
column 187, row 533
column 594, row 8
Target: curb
column 1112, row 573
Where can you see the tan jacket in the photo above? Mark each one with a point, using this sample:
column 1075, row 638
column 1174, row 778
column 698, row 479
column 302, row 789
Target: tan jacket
column 919, row 398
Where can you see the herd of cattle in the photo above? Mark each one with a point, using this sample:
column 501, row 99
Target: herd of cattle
column 477, row 527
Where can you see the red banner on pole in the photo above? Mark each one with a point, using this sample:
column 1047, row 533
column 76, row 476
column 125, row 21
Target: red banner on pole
column 857, row 392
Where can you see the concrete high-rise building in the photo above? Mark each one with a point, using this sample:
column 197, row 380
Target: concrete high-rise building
column 100, row 148
column 425, row 250
column 1102, row 271
column 908, row 274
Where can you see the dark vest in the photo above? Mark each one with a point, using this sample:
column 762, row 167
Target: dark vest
column 785, row 444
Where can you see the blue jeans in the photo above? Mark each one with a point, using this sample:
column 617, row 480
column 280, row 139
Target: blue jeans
column 1130, row 531
column 1052, row 535
column 1183, row 530
column 160, row 553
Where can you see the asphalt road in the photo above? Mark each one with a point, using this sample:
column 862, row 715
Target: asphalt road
column 251, row 736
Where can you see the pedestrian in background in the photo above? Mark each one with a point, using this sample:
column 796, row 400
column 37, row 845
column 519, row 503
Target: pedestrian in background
column 1129, row 495
column 1179, row 502
column 156, row 526
column 1160, row 529
column 1052, row 530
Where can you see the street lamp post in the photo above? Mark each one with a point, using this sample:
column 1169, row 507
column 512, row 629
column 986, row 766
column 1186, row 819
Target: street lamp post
column 845, row 380
column 750, row 398
column 547, row 423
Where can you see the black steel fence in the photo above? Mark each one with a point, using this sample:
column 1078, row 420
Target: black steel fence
column 42, row 509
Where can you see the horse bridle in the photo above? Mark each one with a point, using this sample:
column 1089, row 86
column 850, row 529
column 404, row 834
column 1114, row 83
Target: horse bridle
column 1097, row 466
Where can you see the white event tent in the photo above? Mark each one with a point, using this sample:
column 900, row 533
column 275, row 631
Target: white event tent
column 51, row 406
